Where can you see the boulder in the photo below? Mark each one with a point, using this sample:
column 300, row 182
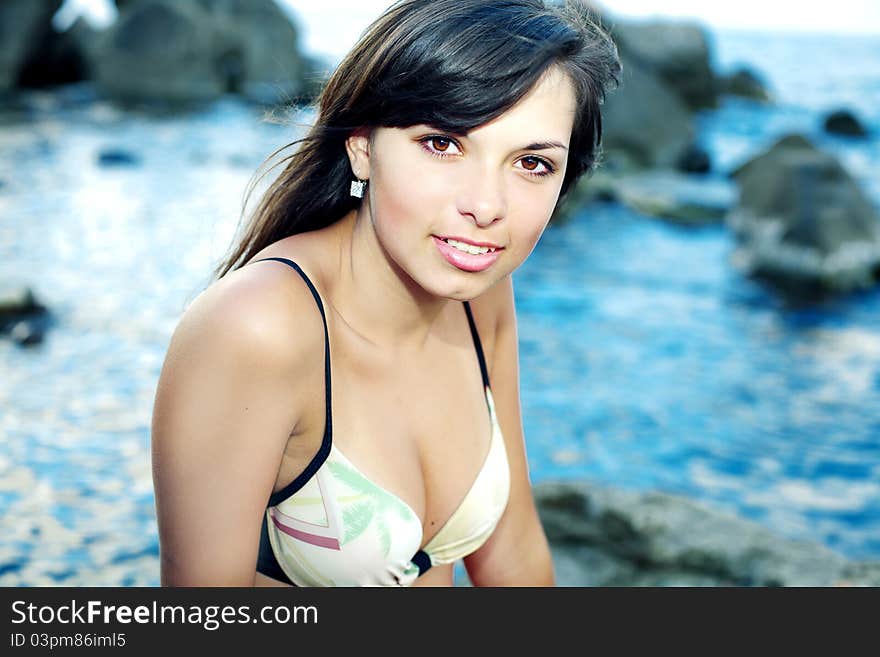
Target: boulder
column 694, row 159
column 196, row 50
column 22, row 316
column 24, row 26
column 677, row 197
column 803, row 223
column 159, row 50
column 745, row 83
column 644, row 124
column 601, row 536
column 259, row 54
column 62, row 58
column 677, row 52
column 844, row 122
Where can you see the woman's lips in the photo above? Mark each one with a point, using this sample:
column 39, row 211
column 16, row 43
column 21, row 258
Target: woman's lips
column 466, row 261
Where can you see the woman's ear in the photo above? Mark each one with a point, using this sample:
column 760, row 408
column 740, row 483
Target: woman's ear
column 358, row 148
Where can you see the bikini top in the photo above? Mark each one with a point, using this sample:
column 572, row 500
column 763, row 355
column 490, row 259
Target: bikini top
column 332, row 526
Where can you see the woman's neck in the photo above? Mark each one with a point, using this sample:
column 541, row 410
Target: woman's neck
column 374, row 296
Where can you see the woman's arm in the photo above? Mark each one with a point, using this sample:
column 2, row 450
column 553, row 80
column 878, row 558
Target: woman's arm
column 517, row 553
column 228, row 398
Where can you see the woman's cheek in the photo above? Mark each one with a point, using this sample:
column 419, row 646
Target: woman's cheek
column 534, row 219
column 406, row 196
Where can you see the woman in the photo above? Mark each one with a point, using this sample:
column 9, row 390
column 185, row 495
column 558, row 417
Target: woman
column 341, row 406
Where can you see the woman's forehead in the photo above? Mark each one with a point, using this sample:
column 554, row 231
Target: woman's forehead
column 545, row 114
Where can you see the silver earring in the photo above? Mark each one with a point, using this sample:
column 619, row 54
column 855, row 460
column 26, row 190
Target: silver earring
column 357, row 188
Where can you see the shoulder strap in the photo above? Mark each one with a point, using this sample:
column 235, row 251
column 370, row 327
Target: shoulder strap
column 477, row 344
column 324, row 451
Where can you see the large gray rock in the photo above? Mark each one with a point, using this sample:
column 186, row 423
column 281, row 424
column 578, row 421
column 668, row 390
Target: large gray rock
column 259, row 55
column 803, row 223
column 22, row 316
column 680, row 198
column 160, row 50
column 24, row 25
column 609, row 537
column 678, row 52
column 744, row 83
column 844, row 122
column 61, row 58
column 644, row 124
column 195, row 50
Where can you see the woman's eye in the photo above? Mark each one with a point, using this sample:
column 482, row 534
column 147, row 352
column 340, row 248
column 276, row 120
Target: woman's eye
column 439, row 145
column 536, row 166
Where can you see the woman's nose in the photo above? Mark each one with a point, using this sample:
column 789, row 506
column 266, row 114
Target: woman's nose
column 483, row 196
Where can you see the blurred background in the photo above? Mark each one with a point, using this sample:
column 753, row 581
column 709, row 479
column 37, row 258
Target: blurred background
column 699, row 327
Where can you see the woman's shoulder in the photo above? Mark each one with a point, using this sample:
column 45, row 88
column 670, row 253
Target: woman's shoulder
column 264, row 310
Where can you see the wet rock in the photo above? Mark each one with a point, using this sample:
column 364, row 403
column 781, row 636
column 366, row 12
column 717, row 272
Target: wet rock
column 844, row 122
column 803, row 223
column 160, row 51
column 193, row 51
column 677, row 52
column 675, row 196
column 598, row 186
column 866, row 573
column 61, row 58
column 115, row 157
column 22, row 316
column 656, row 539
column 644, row 124
column 18, row 301
column 744, row 83
column 24, row 25
column 259, row 51
column 26, row 332
column 694, row 160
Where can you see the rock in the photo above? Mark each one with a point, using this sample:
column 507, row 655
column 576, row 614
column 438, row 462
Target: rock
column 61, row 58
column 866, row 573
column 676, row 196
column 112, row 157
column 843, row 122
column 259, row 50
column 26, row 332
column 745, row 83
column 644, row 124
column 159, row 51
column 656, row 539
column 803, row 223
column 18, row 301
column 22, row 316
column 598, row 186
column 24, row 25
column 192, row 51
column 694, row 160
column 677, row 52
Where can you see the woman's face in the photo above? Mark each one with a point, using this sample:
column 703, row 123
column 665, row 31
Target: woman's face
column 438, row 200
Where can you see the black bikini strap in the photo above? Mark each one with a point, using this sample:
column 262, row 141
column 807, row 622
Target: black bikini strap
column 324, row 451
column 477, row 344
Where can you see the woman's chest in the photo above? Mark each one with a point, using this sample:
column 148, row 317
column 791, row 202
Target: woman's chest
column 418, row 428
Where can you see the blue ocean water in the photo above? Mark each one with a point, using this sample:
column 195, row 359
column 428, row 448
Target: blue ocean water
column 650, row 362
column 647, row 360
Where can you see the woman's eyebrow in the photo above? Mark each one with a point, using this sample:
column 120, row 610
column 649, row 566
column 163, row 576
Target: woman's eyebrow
column 544, row 145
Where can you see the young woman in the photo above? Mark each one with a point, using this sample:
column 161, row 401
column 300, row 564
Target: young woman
column 341, row 406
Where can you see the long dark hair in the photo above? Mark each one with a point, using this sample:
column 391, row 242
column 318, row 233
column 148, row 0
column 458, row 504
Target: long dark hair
column 451, row 64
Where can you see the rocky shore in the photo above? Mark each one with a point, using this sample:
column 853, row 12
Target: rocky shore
column 165, row 53
column 612, row 537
